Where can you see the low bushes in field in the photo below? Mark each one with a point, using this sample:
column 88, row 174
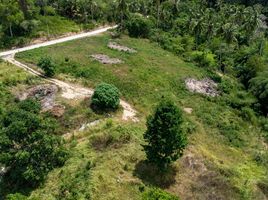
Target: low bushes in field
column 46, row 64
column 114, row 138
column 157, row 193
column 75, row 184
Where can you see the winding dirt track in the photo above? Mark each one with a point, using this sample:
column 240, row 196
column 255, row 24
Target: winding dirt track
column 69, row 91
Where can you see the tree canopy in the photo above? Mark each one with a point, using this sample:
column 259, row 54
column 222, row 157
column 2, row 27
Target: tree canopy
column 28, row 147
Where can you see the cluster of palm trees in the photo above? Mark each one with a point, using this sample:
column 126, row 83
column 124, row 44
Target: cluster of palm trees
column 233, row 23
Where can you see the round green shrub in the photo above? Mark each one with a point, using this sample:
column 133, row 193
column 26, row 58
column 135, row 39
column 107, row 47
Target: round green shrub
column 139, row 26
column 106, row 96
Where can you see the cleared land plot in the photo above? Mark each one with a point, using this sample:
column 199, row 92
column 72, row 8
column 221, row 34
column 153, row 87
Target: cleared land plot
column 224, row 142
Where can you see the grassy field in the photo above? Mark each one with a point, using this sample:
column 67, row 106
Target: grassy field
column 52, row 26
column 226, row 157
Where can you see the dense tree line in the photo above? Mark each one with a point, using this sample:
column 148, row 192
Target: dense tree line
column 228, row 37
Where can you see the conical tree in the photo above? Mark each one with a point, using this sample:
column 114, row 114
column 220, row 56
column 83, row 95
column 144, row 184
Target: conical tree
column 164, row 136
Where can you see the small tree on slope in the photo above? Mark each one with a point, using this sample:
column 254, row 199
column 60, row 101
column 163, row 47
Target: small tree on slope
column 46, row 64
column 164, row 135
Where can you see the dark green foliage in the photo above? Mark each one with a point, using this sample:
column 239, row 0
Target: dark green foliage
column 46, row 64
column 248, row 71
column 226, row 86
column 106, row 96
column 259, row 87
column 138, row 26
column 158, row 194
column 30, row 105
column 231, row 129
column 176, row 44
column 28, row 147
column 249, row 115
column 76, row 183
column 164, row 136
column 264, row 125
column 204, row 59
column 239, row 99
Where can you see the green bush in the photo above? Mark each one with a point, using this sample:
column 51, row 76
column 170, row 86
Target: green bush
column 259, row 87
column 106, row 96
column 226, row 86
column 46, row 64
column 204, row 59
column 250, row 69
column 16, row 196
column 231, row 129
column 158, row 194
column 138, row 26
column 30, row 105
column 49, row 10
column 249, row 115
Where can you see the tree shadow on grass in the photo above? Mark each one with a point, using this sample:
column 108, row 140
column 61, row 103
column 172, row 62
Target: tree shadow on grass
column 150, row 175
column 104, row 111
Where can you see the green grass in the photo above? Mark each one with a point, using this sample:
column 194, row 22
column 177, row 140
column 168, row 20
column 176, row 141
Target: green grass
column 223, row 140
column 52, row 26
column 11, row 75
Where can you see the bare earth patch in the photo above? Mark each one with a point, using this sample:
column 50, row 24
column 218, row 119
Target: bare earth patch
column 46, row 95
column 88, row 125
column 188, row 110
column 206, row 86
column 104, row 59
column 115, row 46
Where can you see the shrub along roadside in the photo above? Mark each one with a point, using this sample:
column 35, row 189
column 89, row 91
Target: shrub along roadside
column 106, row 97
column 46, row 64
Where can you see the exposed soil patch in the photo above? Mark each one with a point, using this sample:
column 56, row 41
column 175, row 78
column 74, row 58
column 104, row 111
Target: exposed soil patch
column 190, row 161
column 46, row 95
column 188, row 110
column 206, row 86
column 104, row 59
column 198, row 179
column 57, row 110
column 88, row 125
column 115, row 46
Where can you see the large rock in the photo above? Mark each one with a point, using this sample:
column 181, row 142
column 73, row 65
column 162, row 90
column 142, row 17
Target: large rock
column 113, row 45
column 206, row 86
column 104, row 59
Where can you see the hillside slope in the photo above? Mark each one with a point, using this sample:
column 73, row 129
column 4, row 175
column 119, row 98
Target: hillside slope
column 225, row 158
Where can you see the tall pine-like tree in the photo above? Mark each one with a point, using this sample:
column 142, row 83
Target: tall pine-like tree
column 164, row 136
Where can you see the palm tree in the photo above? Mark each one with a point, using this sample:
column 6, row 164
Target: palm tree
column 253, row 23
column 230, row 32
